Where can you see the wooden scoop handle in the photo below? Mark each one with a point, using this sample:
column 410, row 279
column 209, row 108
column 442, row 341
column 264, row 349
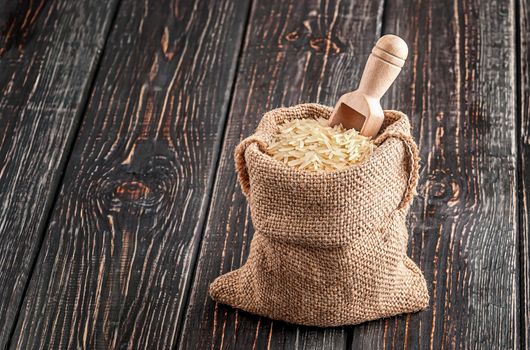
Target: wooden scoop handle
column 361, row 109
column 383, row 66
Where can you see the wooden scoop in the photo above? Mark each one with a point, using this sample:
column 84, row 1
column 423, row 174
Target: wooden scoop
column 361, row 109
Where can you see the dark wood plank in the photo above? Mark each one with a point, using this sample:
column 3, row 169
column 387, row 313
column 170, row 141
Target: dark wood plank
column 114, row 268
column 296, row 51
column 524, row 166
column 48, row 55
column 459, row 89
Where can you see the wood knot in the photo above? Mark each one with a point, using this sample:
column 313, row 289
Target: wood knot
column 324, row 45
column 444, row 187
column 292, row 36
column 132, row 191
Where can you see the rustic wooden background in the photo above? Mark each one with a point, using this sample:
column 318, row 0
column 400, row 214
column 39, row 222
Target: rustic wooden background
column 118, row 195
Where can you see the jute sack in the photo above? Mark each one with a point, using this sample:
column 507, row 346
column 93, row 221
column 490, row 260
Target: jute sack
column 329, row 248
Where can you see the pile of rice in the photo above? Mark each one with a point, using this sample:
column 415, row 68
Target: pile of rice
column 310, row 144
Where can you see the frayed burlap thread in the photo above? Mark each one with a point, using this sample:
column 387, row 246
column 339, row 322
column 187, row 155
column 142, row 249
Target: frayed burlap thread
column 329, row 248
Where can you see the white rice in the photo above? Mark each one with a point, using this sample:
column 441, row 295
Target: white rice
column 312, row 145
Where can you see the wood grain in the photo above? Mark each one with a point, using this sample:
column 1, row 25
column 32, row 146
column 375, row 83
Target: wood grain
column 524, row 166
column 295, row 51
column 48, row 55
column 460, row 93
column 116, row 260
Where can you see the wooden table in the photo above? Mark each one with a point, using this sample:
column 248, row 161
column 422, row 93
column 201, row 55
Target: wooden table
column 119, row 199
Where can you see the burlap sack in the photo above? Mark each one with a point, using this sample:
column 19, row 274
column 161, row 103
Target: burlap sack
column 329, row 249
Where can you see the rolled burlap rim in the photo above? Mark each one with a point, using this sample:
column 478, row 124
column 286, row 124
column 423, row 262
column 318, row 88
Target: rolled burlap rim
column 259, row 141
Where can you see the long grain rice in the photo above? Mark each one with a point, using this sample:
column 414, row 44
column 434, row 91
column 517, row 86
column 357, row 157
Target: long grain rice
column 312, row 145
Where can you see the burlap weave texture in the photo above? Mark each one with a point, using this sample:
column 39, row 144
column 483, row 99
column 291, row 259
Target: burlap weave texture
column 329, row 248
